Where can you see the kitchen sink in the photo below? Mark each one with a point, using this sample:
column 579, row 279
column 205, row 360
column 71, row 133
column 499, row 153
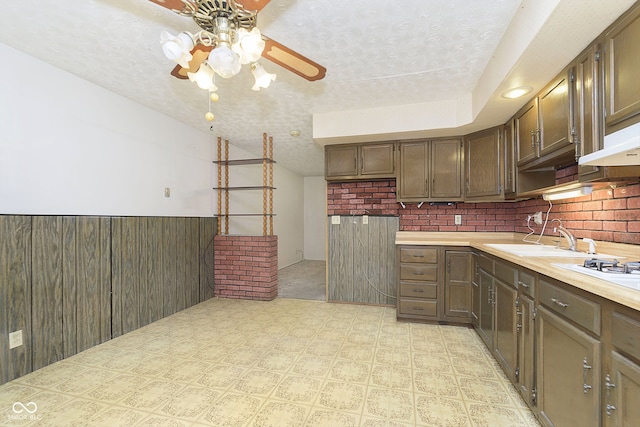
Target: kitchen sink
column 533, row 250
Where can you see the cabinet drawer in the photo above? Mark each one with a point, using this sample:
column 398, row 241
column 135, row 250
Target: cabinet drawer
column 419, row 254
column 625, row 335
column 506, row 273
column 527, row 283
column 418, row 290
column 418, row 308
column 584, row 312
column 422, row 272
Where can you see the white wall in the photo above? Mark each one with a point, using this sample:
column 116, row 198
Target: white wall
column 315, row 218
column 68, row 146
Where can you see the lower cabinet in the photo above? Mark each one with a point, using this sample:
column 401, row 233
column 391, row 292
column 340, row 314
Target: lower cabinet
column 622, row 381
column 568, row 373
column 434, row 284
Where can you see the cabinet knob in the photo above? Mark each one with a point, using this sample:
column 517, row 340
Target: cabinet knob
column 560, row 303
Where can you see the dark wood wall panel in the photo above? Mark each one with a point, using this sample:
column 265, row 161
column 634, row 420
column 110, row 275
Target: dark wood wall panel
column 15, row 294
column 46, row 290
column 208, row 229
column 70, row 283
column 361, row 260
column 93, row 287
column 169, row 266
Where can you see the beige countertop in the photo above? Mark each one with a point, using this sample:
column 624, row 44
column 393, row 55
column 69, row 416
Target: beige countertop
column 543, row 265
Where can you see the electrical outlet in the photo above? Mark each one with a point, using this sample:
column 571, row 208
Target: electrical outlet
column 537, row 217
column 457, row 219
column 365, row 219
column 15, row 339
column 335, row 219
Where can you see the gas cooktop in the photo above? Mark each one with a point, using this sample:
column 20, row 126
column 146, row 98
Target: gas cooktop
column 623, row 274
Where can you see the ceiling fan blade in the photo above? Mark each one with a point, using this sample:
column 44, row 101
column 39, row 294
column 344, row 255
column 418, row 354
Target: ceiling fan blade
column 170, row 4
column 292, row 61
column 200, row 53
column 256, row 5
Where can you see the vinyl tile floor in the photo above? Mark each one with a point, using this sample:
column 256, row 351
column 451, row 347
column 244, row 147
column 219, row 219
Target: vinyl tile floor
column 288, row 362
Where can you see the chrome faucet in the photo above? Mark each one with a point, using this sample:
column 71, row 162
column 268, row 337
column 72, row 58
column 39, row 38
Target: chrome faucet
column 567, row 235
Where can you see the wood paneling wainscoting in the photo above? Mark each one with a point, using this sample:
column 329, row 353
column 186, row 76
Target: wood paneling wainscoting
column 72, row 282
column 361, row 260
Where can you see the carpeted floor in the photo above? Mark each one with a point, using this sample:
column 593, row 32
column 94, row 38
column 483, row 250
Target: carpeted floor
column 303, row 280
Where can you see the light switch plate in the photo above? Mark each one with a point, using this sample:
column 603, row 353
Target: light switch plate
column 457, row 219
column 365, row 219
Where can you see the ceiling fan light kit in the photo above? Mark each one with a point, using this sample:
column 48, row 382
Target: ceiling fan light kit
column 230, row 36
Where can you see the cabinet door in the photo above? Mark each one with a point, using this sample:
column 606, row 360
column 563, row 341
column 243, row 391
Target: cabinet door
column 341, row 161
column 485, row 316
column 622, row 392
column 475, row 294
column 457, row 292
column 482, row 160
column 554, row 118
column 446, row 169
column 622, row 62
column 568, row 373
column 377, row 159
column 505, row 336
column 508, row 143
column 526, row 349
column 413, row 182
column 588, row 117
column 526, row 132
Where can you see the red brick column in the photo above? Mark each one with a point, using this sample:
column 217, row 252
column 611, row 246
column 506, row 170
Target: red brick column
column 246, row 267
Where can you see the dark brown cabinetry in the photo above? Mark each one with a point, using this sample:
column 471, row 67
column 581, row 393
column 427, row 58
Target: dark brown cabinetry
column 588, row 107
column 525, row 306
column 431, row 170
column 622, row 62
column 505, row 323
column 509, row 150
column 568, row 357
column 434, row 284
column 622, row 382
column 418, row 282
column 457, row 290
column 483, row 165
column 359, row 161
column 483, row 301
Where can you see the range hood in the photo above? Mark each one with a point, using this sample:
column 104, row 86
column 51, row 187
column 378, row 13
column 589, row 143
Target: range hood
column 621, row 148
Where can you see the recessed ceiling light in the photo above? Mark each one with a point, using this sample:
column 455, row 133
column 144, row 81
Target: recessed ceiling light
column 294, row 133
column 516, row 92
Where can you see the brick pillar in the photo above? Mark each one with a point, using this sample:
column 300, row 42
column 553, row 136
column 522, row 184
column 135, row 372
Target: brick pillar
column 246, row 267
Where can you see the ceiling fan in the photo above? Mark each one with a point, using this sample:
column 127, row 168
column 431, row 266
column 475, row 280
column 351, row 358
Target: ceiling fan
column 223, row 24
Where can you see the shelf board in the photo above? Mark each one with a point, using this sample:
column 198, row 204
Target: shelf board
column 256, row 187
column 241, row 214
column 244, row 161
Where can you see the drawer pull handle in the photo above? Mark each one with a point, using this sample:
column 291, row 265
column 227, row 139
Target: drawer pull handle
column 418, row 308
column 418, row 290
column 524, row 285
column 560, row 303
column 418, row 273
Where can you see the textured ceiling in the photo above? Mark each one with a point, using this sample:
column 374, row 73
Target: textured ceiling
column 377, row 53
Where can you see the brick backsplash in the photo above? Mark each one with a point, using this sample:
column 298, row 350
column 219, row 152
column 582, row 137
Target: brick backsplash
column 611, row 215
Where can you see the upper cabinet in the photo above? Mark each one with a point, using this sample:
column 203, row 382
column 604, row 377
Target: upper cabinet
column 431, row 170
column 622, row 63
column 359, row 161
column 483, row 173
column 588, row 107
column 543, row 127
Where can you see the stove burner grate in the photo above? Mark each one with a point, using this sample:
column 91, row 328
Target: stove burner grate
column 612, row 266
